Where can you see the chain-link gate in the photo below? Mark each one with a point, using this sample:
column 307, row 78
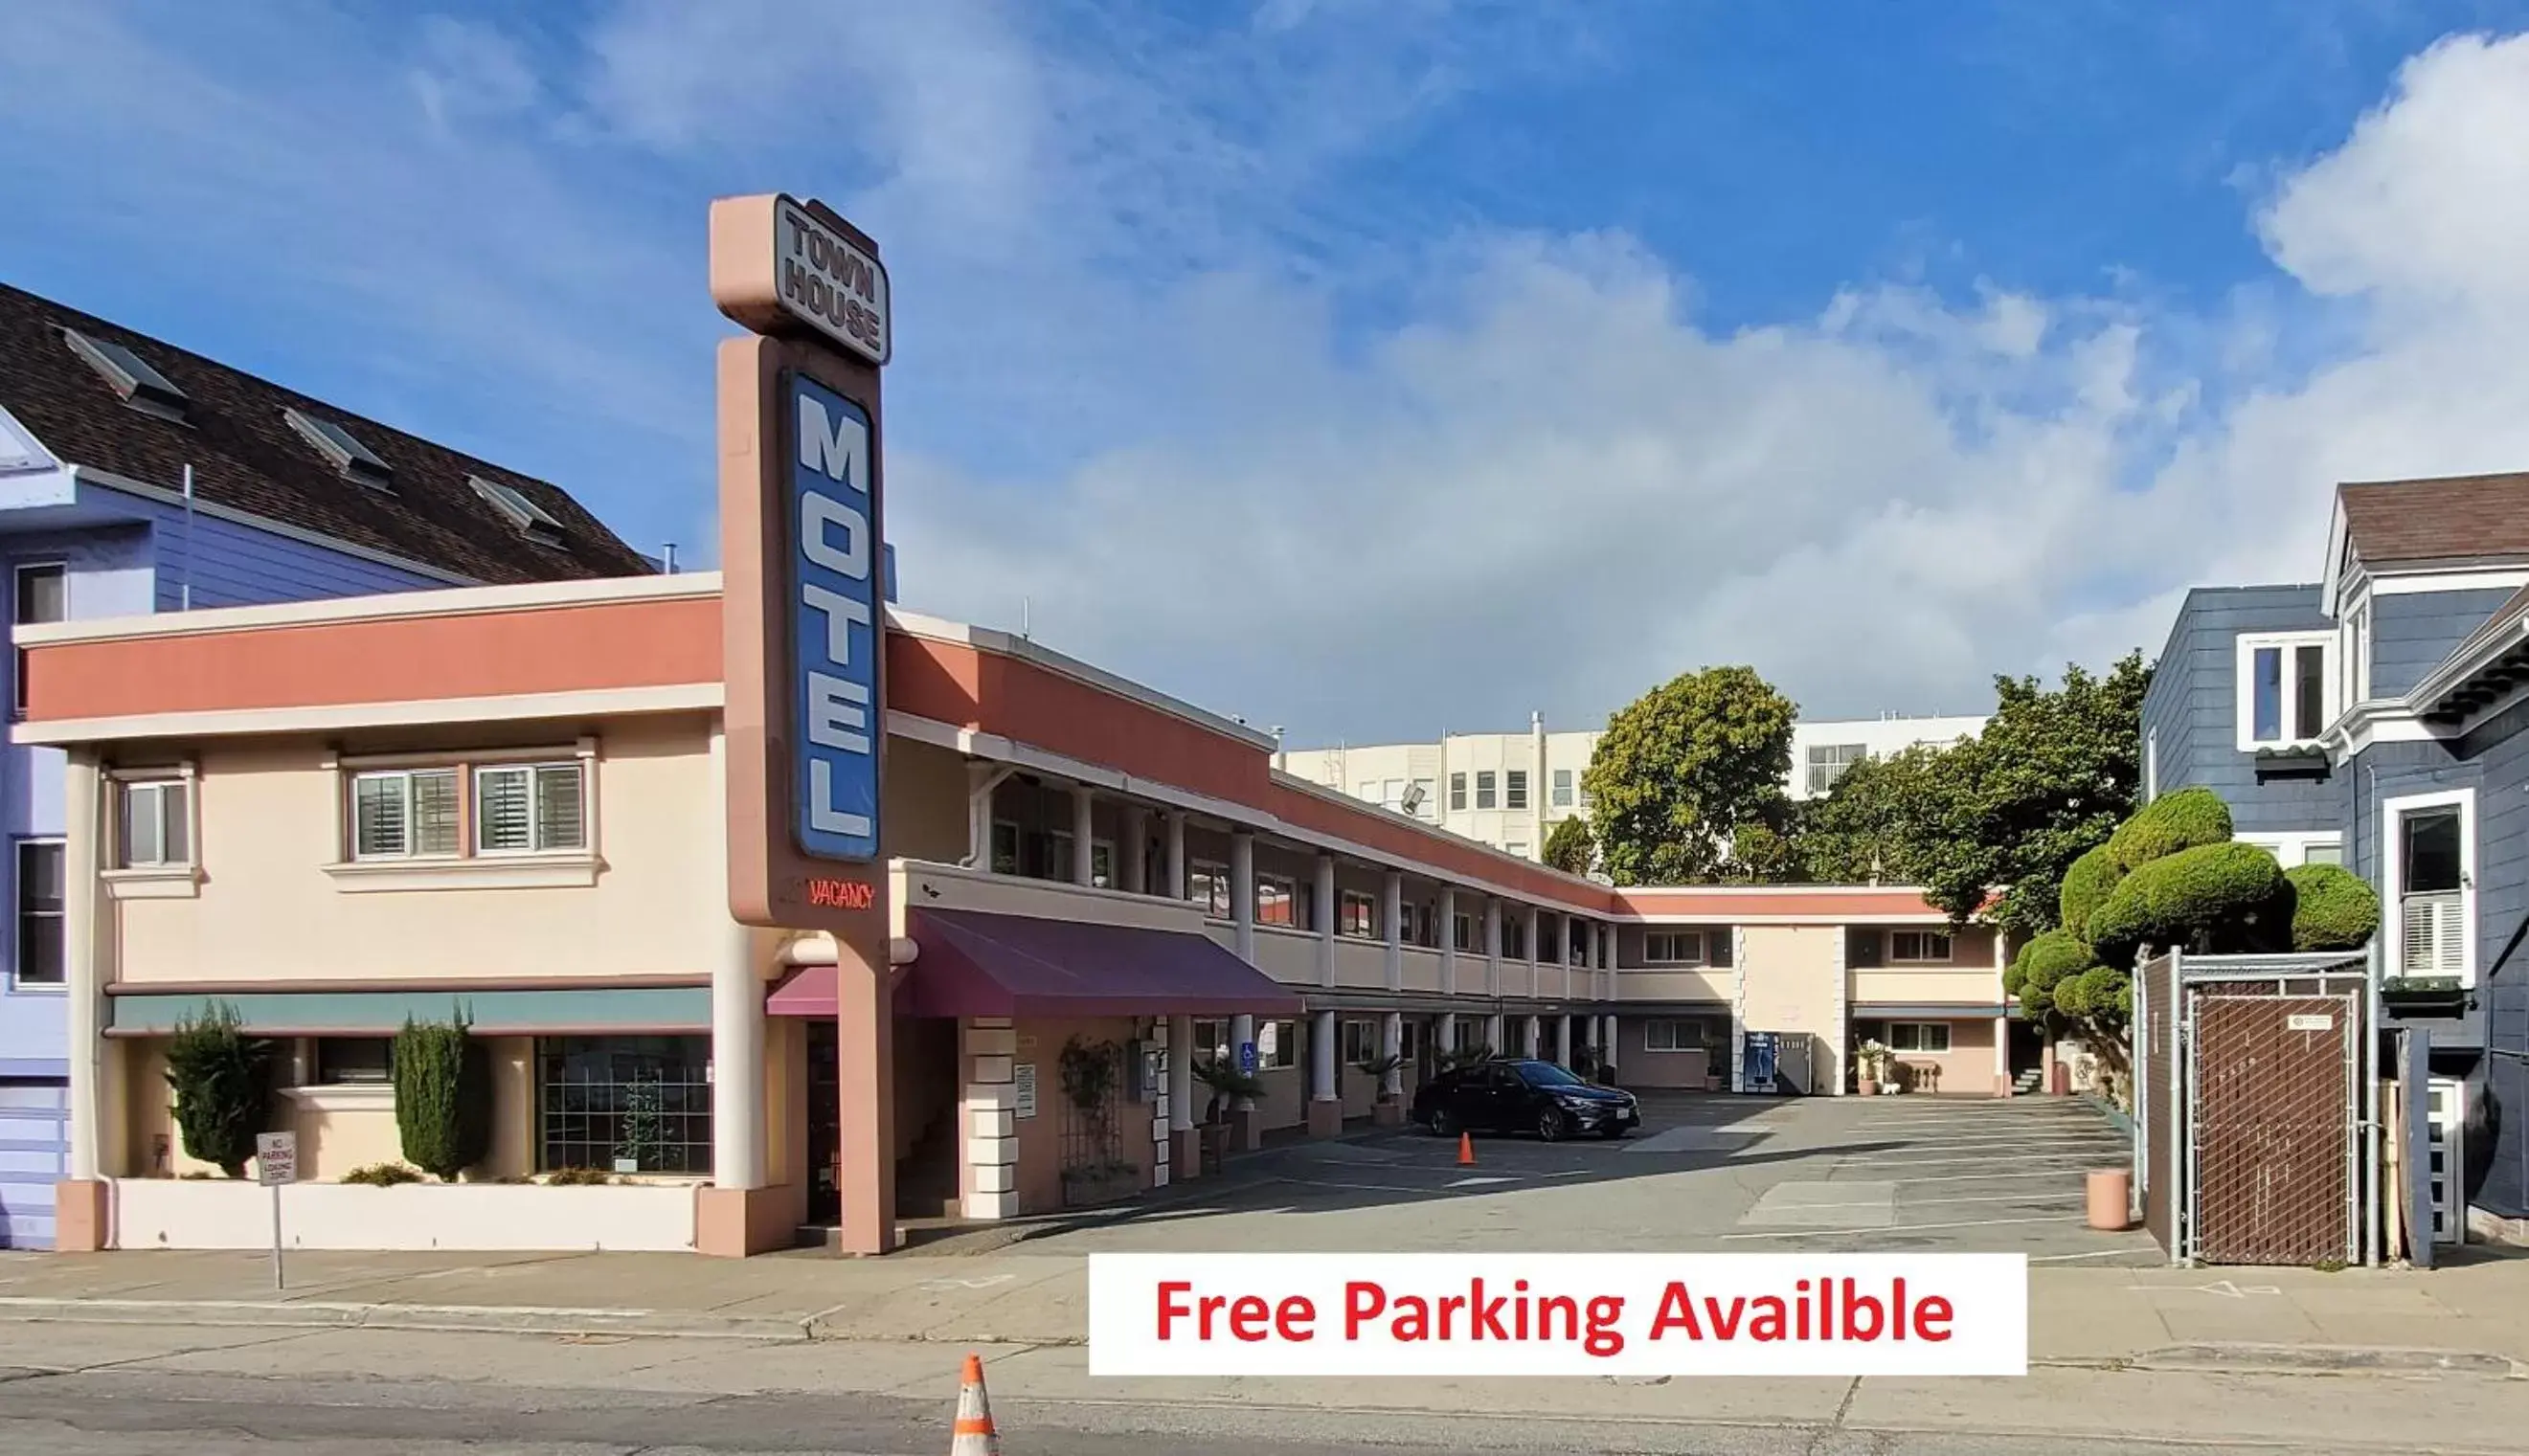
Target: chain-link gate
column 2248, row 1107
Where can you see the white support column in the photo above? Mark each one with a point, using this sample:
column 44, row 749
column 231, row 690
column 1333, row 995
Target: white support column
column 1242, row 892
column 1391, row 1043
column 1606, row 1042
column 1175, row 888
column 1181, row 1055
column 1083, row 853
column 1492, row 946
column 1606, row 985
column 1325, row 1111
column 1531, row 1036
column 1563, row 950
column 1133, row 851
column 1448, row 940
column 1242, row 1030
column 1563, row 1039
column 1391, row 917
column 2001, row 1023
column 1327, row 901
column 737, row 1027
column 84, row 973
column 1447, row 1033
column 1535, row 925
column 1493, row 1035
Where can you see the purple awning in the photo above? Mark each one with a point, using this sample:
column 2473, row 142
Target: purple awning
column 978, row 964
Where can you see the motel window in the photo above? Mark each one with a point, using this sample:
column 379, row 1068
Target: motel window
column 1212, row 1042
column 405, row 813
column 1101, row 865
column 1562, row 788
column 1514, row 937
column 1673, row 1036
column 1304, row 905
column 1464, row 933
column 355, row 1060
column 1360, row 915
column 43, row 596
column 1208, row 885
column 40, row 913
column 1359, row 1042
column 1457, row 791
column 1673, row 947
column 625, row 1104
column 1484, row 787
column 1515, row 789
column 1277, row 1044
column 1861, row 949
column 1919, row 946
column 1005, row 847
column 155, row 826
column 1827, row 762
column 529, row 808
column 2289, row 688
column 1928, row 1037
column 1277, row 900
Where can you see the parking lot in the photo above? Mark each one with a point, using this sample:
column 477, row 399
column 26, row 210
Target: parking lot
column 1705, row 1172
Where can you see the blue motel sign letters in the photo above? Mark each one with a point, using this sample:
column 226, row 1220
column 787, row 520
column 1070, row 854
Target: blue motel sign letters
column 836, row 605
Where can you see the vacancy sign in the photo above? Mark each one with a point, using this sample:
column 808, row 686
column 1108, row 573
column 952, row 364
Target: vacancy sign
column 1473, row 1315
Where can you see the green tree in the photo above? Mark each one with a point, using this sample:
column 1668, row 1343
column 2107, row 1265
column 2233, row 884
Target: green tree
column 1681, row 769
column 1570, row 847
column 1879, row 820
column 443, row 1086
column 222, row 1091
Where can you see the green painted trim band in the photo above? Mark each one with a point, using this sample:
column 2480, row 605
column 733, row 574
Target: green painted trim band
column 648, row 1009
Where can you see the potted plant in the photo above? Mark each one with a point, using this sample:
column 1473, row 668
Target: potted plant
column 1869, row 1064
column 1387, row 1109
column 1227, row 1085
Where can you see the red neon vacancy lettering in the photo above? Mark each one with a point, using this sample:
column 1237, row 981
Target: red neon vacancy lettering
column 853, row 895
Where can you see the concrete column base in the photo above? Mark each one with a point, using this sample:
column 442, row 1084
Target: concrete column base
column 1246, row 1130
column 1326, row 1118
column 81, row 1210
column 2001, row 1084
column 734, row 1222
column 1185, row 1154
column 1387, row 1114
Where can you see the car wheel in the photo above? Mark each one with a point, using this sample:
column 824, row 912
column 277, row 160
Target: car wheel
column 1551, row 1124
column 1444, row 1124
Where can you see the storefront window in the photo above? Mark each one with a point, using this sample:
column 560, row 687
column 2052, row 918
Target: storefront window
column 625, row 1104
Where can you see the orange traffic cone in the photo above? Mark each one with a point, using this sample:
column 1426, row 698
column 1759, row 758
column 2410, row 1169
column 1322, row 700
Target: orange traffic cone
column 1465, row 1150
column 974, row 1435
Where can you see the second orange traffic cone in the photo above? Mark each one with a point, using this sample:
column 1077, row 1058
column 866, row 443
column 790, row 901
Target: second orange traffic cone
column 975, row 1436
column 1465, row 1150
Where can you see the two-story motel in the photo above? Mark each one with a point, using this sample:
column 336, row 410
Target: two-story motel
column 506, row 804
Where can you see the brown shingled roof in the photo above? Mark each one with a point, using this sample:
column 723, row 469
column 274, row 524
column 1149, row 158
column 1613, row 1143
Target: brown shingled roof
column 2437, row 520
column 245, row 456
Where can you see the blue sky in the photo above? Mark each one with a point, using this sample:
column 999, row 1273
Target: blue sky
column 1376, row 366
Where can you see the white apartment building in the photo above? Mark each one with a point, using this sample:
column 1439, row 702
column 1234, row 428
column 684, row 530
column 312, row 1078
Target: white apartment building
column 1509, row 789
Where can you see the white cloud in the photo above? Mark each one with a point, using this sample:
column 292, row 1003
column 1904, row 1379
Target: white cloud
column 1133, row 384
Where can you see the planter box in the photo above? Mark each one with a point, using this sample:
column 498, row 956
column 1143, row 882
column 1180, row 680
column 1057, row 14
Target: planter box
column 1088, row 1187
column 220, row 1213
column 1387, row 1114
column 2423, row 998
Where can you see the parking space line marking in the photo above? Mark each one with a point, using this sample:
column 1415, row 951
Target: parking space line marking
column 1476, row 1182
column 1907, row 1228
column 2093, row 1254
column 1927, row 1202
column 1986, row 1177
column 2101, row 1136
column 1864, row 1159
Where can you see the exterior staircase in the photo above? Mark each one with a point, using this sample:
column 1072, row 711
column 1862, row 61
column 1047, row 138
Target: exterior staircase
column 2028, row 1083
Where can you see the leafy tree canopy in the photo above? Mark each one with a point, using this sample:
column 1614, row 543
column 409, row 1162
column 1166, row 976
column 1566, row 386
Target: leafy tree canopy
column 1570, row 847
column 1684, row 770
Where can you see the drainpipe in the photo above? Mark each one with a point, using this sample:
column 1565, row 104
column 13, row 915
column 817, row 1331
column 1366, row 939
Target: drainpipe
column 981, row 779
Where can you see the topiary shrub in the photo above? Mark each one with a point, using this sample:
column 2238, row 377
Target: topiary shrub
column 2216, row 898
column 2102, row 995
column 2185, row 820
column 2332, row 908
column 2087, row 883
column 443, row 1085
column 2044, row 964
column 223, row 1089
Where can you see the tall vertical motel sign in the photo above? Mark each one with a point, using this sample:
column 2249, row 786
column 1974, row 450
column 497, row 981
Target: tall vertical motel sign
column 803, row 619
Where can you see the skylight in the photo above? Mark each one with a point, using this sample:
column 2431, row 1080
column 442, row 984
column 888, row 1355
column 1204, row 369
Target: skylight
column 354, row 460
column 142, row 387
column 519, row 511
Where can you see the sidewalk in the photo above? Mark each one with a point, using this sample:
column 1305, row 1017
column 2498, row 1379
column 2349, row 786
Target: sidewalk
column 2473, row 1316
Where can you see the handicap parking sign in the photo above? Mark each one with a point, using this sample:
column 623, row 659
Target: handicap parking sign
column 1247, row 1057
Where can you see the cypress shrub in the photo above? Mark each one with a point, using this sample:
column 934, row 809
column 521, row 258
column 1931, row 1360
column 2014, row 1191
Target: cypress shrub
column 2332, row 908
column 222, row 1091
column 2216, row 898
column 2087, row 883
column 2185, row 820
column 442, row 1097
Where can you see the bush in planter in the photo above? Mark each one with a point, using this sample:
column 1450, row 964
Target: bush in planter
column 1376, row 1069
column 382, row 1175
column 577, row 1177
column 2187, row 819
column 1227, row 1085
column 223, row 1089
column 442, row 1083
column 2332, row 908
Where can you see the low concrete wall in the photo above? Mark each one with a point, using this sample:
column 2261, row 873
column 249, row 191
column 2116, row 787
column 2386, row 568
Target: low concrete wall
column 221, row 1213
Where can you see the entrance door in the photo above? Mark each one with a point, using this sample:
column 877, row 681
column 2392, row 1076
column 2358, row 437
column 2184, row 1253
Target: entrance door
column 2445, row 1156
column 825, row 1125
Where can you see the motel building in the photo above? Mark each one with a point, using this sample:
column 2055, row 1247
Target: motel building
column 505, row 803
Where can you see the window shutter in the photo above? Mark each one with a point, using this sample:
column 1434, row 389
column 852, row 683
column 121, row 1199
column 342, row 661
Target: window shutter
column 434, row 812
column 175, row 831
column 378, row 818
column 560, row 819
column 504, row 820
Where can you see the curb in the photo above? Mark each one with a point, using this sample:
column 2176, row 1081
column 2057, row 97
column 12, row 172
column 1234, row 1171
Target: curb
column 321, row 1315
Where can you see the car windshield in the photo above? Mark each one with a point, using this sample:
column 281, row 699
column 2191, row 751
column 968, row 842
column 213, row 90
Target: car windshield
column 1547, row 1075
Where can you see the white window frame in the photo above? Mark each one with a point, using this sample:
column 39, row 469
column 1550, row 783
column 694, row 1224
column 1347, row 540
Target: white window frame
column 1949, row 947
column 16, row 589
column 469, row 865
column 2292, row 851
column 1563, row 788
column 1836, row 764
column 1679, row 939
column 1458, row 792
column 2392, row 873
column 1918, row 1028
column 2150, row 764
column 161, row 877
column 17, row 914
column 2330, row 687
column 1345, row 900
column 1211, row 872
column 534, row 770
column 352, row 813
column 1487, row 788
column 2353, row 655
column 1515, row 790
column 1356, row 1029
column 1266, row 886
